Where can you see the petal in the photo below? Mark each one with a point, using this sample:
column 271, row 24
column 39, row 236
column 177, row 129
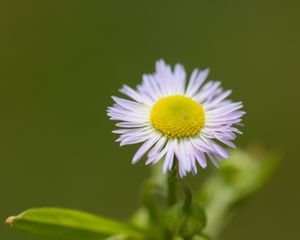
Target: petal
column 145, row 147
column 196, row 80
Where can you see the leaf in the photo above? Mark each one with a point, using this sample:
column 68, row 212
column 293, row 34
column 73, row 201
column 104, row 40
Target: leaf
column 117, row 237
column 201, row 237
column 65, row 224
column 186, row 223
column 240, row 176
column 141, row 218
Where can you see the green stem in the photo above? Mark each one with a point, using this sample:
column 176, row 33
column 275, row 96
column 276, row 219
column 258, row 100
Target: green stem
column 171, row 195
column 187, row 195
column 171, row 182
column 148, row 198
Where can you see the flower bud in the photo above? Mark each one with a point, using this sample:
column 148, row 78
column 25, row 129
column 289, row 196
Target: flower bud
column 185, row 223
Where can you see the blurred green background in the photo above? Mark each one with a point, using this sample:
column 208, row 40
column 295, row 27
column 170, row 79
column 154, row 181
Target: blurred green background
column 61, row 61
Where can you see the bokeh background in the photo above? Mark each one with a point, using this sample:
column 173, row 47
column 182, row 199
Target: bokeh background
column 62, row 60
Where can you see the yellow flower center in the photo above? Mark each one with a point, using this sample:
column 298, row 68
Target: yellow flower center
column 177, row 116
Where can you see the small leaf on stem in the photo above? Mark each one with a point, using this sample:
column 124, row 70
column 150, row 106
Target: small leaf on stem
column 65, row 224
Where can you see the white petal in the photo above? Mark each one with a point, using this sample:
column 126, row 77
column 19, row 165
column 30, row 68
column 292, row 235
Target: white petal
column 208, row 90
column 132, row 124
column 180, row 78
column 130, row 105
column 145, row 147
column 158, row 146
column 213, row 160
column 134, row 95
column 168, row 163
column 217, row 100
column 199, row 155
column 196, row 81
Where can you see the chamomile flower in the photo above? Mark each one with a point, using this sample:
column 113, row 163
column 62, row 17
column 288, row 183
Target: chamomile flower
column 181, row 123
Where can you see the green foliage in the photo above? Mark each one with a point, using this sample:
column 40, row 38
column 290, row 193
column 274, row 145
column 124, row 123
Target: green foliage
column 163, row 216
column 240, row 176
column 185, row 223
column 201, row 237
column 64, row 224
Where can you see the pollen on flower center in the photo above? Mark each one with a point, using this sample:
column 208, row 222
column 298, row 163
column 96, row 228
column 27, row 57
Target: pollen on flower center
column 177, row 116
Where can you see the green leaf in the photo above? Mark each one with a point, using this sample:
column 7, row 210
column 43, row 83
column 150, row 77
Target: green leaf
column 178, row 238
column 240, row 176
column 141, row 218
column 65, row 224
column 118, row 237
column 183, row 223
column 201, row 237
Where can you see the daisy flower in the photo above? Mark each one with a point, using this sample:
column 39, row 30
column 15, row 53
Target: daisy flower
column 181, row 123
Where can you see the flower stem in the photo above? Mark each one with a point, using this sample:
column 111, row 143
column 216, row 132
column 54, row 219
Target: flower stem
column 171, row 184
column 187, row 195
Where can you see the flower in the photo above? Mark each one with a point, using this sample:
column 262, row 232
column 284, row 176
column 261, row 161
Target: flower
column 181, row 123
